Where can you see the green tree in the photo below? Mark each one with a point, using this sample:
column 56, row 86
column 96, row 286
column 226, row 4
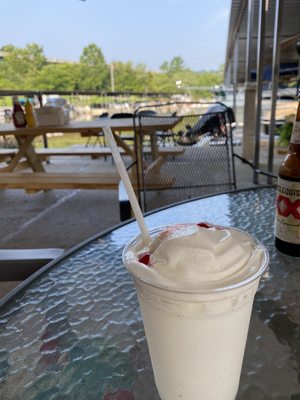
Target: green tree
column 165, row 67
column 174, row 66
column 177, row 65
column 127, row 77
column 33, row 53
column 20, row 66
column 94, row 73
column 162, row 83
column 27, row 68
column 58, row 77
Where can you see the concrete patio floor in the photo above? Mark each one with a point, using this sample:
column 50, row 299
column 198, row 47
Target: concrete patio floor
column 64, row 218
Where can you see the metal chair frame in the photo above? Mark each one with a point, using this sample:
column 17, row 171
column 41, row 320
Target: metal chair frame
column 208, row 188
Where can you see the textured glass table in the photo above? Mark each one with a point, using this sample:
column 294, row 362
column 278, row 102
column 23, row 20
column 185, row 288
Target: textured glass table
column 75, row 331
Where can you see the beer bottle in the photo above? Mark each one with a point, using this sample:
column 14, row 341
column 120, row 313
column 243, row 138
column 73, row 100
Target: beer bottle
column 287, row 222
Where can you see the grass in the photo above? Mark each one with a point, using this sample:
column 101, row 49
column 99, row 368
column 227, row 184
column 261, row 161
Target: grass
column 62, row 141
column 70, row 139
column 55, row 142
column 65, row 140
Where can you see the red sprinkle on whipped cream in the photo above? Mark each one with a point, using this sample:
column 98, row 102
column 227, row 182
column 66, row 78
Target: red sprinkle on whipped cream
column 145, row 258
column 204, row 225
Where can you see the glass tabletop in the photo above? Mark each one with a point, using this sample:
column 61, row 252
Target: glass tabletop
column 75, row 331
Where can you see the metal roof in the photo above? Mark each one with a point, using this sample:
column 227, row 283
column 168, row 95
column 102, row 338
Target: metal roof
column 238, row 31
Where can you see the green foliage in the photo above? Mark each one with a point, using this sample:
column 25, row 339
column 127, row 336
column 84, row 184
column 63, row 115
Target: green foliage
column 130, row 78
column 28, row 69
column 58, row 77
column 93, row 71
column 20, row 66
column 60, row 141
column 174, row 66
column 285, row 133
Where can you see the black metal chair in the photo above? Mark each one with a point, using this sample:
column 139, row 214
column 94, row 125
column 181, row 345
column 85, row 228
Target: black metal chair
column 162, row 136
column 129, row 138
column 197, row 159
column 121, row 115
column 100, row 138
column 146, row 112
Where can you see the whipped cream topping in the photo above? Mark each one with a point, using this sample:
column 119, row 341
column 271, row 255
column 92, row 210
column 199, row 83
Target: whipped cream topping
column 191, row 257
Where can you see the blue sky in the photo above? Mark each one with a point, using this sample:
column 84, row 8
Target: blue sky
column 148, row 32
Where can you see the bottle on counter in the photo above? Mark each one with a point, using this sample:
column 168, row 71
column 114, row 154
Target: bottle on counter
column 287, row 222
column 29, row 114
column 18, row 114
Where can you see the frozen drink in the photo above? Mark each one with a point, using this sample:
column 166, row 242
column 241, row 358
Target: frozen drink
column 196, row 284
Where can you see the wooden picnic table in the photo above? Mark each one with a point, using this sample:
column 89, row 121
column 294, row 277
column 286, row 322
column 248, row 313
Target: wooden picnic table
column 9, row 178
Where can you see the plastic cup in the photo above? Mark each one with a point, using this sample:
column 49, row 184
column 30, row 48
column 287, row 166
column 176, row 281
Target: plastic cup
column 197, row 339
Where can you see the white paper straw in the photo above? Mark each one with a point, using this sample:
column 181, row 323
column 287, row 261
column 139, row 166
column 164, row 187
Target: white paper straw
column 128, row 186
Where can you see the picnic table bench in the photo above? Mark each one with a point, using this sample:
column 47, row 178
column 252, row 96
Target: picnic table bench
column 60, row 180
column 102, row 151
column 44, row 153
column 39, row 179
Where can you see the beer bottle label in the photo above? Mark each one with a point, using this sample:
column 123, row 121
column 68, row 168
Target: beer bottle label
column 295, row 138
column 287, row 223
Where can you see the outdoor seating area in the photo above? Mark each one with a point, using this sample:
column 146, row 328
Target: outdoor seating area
column 161, row 141
column 173, row 151
column 149, row 202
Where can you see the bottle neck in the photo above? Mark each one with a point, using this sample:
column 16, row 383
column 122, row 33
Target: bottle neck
column 295, row 139
column 294, row 147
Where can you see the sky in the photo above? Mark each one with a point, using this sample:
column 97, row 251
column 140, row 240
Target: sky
column 148, row 32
